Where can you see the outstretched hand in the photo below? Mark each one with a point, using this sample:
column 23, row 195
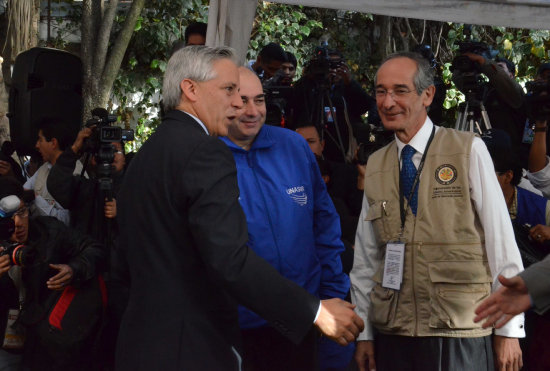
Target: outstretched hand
column 509, row 300
column 338, row 321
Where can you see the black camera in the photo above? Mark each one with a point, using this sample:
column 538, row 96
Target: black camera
column 19, row 254
column 537, row 100
column 99, row 143
column 371, row 139
column 277, row 96
column 320, row 65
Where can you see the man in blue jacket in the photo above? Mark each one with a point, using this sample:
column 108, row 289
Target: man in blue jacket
column 292, row 224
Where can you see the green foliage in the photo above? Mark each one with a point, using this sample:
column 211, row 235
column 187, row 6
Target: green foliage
column 160, row 26
column 287, row 25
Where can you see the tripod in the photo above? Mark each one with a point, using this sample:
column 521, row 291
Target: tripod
column 472, row 116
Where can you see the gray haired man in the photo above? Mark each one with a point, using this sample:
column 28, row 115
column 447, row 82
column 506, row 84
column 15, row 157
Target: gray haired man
column 432, row 238
column 184, row 236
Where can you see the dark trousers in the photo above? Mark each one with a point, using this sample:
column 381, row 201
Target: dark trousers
column 264, row 349
column 405, row 353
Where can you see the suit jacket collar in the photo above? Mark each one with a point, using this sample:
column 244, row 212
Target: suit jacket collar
column 178, row 115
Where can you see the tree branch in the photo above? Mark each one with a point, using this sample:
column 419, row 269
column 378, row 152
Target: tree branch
column 103, row 36
column 86, row 53
column 117, row 53
column 410, row 30
column 423, row 32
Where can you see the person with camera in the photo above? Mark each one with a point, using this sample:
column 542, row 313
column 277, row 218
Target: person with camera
column 502, row 96
column 432, row 238
column 329, row 97
column 90, row 207
column 44, row 262
column 269, row 61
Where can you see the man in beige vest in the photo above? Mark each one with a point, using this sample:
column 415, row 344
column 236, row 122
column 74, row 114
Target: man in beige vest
column 433, row 235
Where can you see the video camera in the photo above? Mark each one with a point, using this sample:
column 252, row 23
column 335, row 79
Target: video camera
column 277, row 95
column 319, row 66
column 538, row 100
column 466, row 72
column 99, row 143
column 19, row 254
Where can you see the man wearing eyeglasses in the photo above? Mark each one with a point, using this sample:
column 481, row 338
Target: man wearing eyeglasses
column 433, row 236
column 52, row 258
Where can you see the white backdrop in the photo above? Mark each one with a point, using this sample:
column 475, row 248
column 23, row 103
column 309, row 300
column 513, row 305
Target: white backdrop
column 230, row 21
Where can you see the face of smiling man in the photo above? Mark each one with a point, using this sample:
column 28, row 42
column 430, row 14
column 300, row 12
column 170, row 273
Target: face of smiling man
column 401, row 108
column 251, row 118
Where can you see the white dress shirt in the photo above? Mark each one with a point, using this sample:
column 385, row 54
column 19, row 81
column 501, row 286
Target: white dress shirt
column 500, row 244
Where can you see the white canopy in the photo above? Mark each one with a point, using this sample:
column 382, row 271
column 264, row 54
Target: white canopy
column 230, row 21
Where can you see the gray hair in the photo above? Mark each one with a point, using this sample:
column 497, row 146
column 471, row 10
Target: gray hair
column 192, row 62
column 424, row 75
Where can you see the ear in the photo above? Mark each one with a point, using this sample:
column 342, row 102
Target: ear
column 508, row 176
column 54, row 143
column 323, row 145
column 189, row 90
column 428, row 96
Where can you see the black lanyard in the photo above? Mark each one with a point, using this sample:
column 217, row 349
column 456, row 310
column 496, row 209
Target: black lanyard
column 402, row 206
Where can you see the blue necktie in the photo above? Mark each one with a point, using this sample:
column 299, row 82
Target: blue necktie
column 408, row 173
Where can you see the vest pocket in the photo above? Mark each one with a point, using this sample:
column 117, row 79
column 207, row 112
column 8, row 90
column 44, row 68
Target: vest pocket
column 457, row 288
column 383, row 305
column 377, row 215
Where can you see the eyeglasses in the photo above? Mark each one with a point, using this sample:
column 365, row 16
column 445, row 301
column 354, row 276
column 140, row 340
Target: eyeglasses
column 394, row 94
column 22, row 212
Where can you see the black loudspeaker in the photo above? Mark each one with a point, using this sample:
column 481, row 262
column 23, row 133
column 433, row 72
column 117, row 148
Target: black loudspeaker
column 45, row 83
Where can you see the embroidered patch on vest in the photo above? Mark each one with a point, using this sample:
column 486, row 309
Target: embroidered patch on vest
column 445, row 174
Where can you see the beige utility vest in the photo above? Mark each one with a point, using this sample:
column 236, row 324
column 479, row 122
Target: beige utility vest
column 446, row 273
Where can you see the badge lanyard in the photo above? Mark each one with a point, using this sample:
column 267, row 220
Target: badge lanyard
column 402, row 206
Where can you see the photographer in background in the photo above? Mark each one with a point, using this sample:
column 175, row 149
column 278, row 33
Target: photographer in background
column 82, row 196
column 502, row 96
column 269, row 61
column 94, row 214
column 39, row 259
column 329, row 97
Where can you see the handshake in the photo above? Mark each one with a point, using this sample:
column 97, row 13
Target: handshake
column 338, row 321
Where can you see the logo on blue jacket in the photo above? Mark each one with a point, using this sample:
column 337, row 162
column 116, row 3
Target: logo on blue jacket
column 298, row 195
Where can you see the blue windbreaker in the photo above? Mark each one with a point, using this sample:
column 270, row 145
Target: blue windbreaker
column 291, row 220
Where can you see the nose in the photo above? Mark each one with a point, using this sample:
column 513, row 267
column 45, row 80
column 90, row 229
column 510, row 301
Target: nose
column 237, row 101
column 250, row 109
column 387, row 101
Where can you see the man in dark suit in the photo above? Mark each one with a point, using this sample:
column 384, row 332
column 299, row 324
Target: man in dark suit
column 184, row 236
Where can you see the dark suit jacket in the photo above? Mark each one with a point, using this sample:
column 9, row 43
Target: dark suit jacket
column 183, row 234
column 536, row 280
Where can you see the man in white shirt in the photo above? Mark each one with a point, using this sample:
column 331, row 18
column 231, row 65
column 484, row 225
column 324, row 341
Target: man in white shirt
column 433, row 236
column 53, row 138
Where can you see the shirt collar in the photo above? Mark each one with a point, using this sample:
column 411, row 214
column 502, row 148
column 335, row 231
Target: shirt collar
column 420, row 139
column 198, row 121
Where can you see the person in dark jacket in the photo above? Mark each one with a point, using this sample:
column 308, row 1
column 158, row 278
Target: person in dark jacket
column 185, row 236
column 53, row 258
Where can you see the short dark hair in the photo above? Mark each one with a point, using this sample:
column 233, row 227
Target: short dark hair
column 273, row 52
column 505, row 160
column 10, row 186
column 291, row 59
column 509, row 64
column 57, row 128
column 195, row 28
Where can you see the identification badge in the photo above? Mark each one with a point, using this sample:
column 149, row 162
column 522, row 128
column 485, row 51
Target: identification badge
column 393, row 265
column 14, row 337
